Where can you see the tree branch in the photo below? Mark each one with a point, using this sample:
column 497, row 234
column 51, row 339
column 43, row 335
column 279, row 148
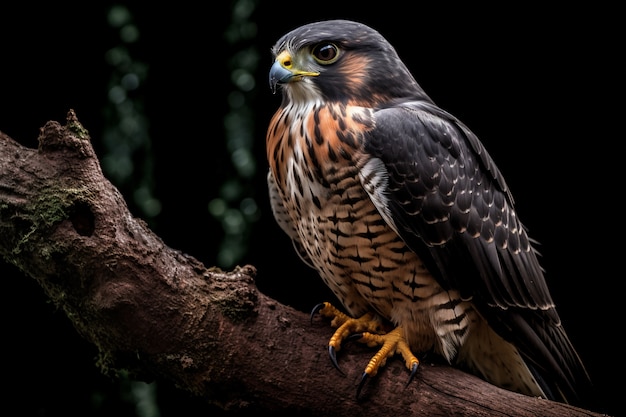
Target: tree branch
column 159, row 313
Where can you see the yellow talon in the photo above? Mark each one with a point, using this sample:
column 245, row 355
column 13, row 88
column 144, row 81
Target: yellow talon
column 391, row 343
column 347, row 325
column 373, row 333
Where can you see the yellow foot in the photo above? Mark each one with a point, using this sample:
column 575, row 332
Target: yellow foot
column 369, row 329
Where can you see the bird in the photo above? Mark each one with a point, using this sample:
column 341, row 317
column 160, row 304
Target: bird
column 407, row 219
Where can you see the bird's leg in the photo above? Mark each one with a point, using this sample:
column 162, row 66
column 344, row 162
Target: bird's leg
column 391, row 343
column 370, row 330
column 346, row 326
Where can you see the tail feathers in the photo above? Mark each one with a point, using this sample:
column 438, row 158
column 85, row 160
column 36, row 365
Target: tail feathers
column 552, row 359
column 537, row 363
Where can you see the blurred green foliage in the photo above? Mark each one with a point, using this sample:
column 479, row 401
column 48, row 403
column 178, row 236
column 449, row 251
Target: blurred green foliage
column 129, row 163
column 235, row 207
column 127, row 160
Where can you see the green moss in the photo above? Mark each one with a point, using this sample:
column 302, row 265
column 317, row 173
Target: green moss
column 75, row 127
column 52, row 207
column 105, row 362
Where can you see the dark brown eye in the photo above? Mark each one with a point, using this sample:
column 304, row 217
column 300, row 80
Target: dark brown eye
column 325, row 53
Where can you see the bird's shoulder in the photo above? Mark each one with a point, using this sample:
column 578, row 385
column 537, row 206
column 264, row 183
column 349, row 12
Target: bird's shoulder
column 420, row 131
column 444, row 195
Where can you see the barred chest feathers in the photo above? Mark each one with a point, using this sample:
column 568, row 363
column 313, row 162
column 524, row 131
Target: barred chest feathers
column 320, row 185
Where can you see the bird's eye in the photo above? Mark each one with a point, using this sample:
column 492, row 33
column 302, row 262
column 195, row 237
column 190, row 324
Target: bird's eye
column 325, row 53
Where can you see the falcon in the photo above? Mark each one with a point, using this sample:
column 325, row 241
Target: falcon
column 406, row 218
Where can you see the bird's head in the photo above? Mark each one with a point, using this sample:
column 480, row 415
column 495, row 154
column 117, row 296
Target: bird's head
column 340, row 61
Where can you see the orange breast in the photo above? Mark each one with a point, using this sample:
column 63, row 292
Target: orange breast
column 315, row 154
column 326, row 134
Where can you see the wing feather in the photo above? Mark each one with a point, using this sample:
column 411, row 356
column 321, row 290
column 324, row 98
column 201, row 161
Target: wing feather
column 448, row 200
column 444, row 195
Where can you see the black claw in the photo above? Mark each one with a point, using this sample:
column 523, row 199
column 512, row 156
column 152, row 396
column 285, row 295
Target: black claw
column 361, row 384
column 333, row 358
column 354, row 336
column 316, row 310
column 413, row 372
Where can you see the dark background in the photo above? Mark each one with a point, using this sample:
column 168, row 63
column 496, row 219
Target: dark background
column 537, row 86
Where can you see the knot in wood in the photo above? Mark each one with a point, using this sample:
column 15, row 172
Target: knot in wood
column 235, row 293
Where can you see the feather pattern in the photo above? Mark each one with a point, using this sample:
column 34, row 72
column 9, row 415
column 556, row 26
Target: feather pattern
column 402, row 211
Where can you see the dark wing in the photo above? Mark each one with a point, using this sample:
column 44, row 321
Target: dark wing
column 435, row 184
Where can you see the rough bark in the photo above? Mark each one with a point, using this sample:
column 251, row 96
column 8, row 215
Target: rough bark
column 159, row 313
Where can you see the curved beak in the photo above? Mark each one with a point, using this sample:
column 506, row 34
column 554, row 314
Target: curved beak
column 279, row 74
column 283, row 71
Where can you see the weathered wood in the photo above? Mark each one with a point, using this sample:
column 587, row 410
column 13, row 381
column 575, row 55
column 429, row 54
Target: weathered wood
column 159, row 313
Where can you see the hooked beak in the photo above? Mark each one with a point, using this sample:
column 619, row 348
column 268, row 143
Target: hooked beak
column 279, row 74
column 282, row 71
